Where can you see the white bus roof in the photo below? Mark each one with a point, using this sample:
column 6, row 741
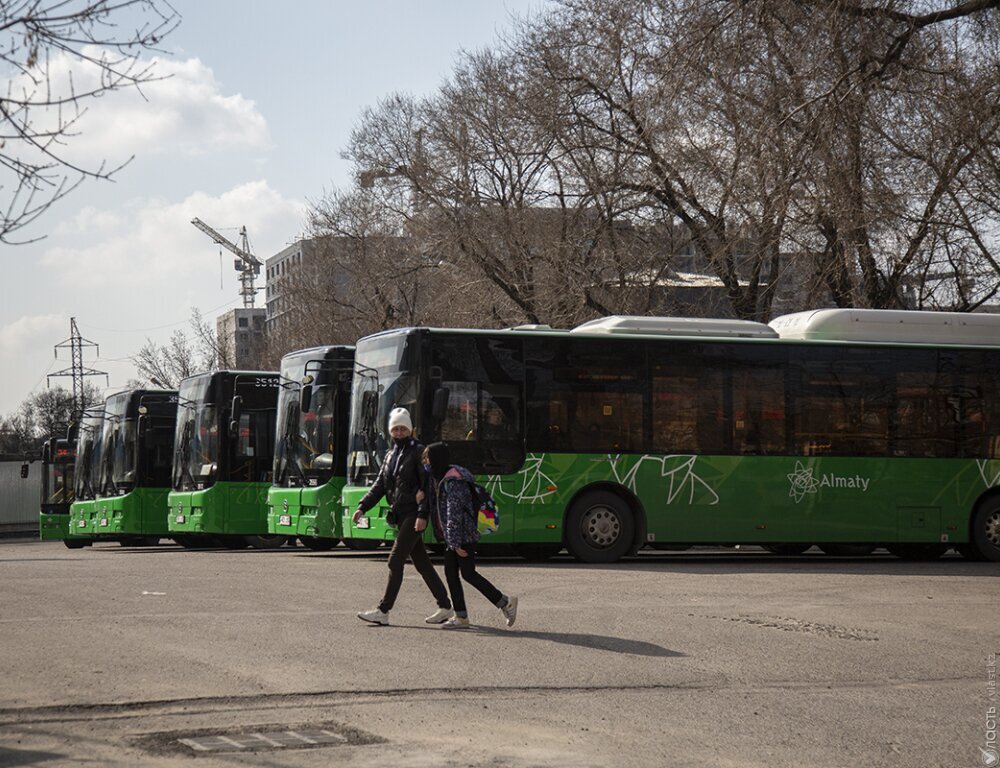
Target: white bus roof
column 677, row 326
column 890, row 325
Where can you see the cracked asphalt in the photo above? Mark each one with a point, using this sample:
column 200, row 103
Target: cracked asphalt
column 114, row 656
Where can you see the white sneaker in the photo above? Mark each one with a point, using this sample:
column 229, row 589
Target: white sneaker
column 440, row 616
column 510, row 611
column 456, row 622
column 375, row 616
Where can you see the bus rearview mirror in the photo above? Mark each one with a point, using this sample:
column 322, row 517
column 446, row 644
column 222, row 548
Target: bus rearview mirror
column 305, row 398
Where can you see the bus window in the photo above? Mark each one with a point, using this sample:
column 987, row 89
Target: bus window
column 758, row 411
column 586, row 398
column 843, row 406
column 925, row 422
column 460, row 420
column 688, row 413
column 980, row 411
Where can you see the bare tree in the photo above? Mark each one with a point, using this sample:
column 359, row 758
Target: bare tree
column 40, row 416
column 165, row 365
column 44, row 44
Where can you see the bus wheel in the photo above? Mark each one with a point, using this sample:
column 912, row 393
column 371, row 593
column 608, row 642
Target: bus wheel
column 969, row 552
column 75, row 543
column 264, row 542
column 363, row 544
column 537, row 553
column 139, row 541
column 847, row 550
column 318, row 543
column 599, row 528
column 917, row 551
column 986, row 530
column 787, row 549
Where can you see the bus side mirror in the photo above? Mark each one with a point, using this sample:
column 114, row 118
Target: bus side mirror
column 24, row 470
column 305, row 398
column 440, row 408
column 236, row 410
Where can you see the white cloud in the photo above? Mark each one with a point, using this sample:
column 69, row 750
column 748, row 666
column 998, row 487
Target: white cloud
column 150, row 247
column 185, row 112
column 31, row 331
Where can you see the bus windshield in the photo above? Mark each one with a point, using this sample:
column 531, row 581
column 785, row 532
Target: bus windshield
column 88, row 457
column 382, row 382
column 304, row 454
column 196, row 448
column 57, row 479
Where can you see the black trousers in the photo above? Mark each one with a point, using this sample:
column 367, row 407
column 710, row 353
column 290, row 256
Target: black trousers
column 409, row 543
column 466, row 566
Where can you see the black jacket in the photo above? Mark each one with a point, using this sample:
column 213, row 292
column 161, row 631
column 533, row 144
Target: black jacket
column 399, row 480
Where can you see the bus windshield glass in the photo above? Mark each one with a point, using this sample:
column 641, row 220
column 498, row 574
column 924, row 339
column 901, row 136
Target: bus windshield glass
column 88, row 457
column 383, row 380
column 119, row 446
column 304, row 454
column 57, row 480
column 196, row 446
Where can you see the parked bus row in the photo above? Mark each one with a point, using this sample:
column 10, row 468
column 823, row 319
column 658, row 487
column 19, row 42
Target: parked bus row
column 846, row 429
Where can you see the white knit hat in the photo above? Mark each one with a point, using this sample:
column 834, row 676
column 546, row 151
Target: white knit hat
column 400, row 417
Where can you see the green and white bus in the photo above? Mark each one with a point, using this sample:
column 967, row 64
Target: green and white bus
column 838, row 428
column 310, row 456
column 87, row 471
column 58, row 460
column 138, row 445
column 222, row 459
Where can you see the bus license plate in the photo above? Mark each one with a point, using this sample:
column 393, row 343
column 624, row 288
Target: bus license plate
column 181, row 519
column 104, row 522
column 285, row 520
column 363, row 522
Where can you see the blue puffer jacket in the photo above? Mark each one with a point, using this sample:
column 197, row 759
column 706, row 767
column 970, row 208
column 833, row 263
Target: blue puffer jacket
column 451, row 502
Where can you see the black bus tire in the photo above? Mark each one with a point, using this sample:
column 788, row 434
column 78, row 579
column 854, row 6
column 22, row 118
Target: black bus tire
column 318, row 543
column 985, row 530
column 599, row 528
column 847, row 550
column 537, row 553
column 363, row 545
column 265, row 542
column 75, row 543
column 917, row 552
column 788, row 550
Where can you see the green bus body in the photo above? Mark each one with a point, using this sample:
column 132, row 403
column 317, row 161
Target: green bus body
column 137, row 447
column 58, row 460
column 86, row 476
column 311, row 445
column 605, row 442
column 223, row 453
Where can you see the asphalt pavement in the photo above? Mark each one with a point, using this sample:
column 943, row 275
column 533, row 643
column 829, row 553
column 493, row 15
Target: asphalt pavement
column 115, row 656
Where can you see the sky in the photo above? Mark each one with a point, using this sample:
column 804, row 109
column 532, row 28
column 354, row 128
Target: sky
column 247, row 130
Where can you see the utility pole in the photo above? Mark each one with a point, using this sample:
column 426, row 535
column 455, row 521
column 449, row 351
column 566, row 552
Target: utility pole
column 76, row 343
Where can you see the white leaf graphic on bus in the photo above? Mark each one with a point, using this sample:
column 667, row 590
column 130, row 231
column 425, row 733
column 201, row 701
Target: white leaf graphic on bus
column 985, row 471
column 682, row 476
column 535, row 484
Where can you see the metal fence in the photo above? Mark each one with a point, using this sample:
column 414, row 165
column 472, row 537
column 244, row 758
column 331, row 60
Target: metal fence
column 19, row 497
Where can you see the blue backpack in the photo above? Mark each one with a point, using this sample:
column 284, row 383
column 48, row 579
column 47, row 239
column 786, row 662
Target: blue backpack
column 484, row 509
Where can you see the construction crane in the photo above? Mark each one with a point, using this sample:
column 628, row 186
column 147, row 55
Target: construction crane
column 247, row 264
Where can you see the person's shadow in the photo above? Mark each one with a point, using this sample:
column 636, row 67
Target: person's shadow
column 597, row 642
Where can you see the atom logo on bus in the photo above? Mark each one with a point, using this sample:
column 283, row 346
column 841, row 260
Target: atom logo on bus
column 802, row 481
